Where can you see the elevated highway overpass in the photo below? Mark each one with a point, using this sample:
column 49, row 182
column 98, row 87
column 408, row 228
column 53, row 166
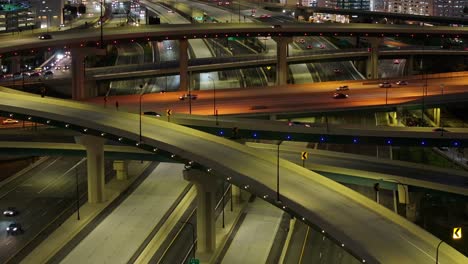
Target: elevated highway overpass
column 370, row 233
column 84, row 42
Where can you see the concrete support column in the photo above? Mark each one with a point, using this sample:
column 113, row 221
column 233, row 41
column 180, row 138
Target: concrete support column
column 15, row 64
column 95, row 164
column 237, row 194
column 281, row 62
column 121, row 169
column 436, row 115
column 79, row 89
column 410, row 65
column 372, row 67
column 206, row 190
column 183, row 64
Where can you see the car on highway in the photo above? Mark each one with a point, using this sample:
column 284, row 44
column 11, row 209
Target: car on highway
column 9, row 121
column 401, row 82
column 322, row 46
column 11, row 211
column 396, row 61
column 385, row 85
column 343, row 88
column 337, row 70
column 66, row 67
column 309, row 46
column 440, row 129
column 35, row 74
column 58, row 67
column 187, row 96
column 265, row 16
column 298, row 123
column 340, row 96
column 45, row 36
column 16, row 74
column 14, row 229
column 301, row 40
column 152, row 113
column 48, row 73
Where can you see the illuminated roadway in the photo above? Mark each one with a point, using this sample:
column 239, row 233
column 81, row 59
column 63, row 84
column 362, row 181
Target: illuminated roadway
column 363, row 228
column 298, row 98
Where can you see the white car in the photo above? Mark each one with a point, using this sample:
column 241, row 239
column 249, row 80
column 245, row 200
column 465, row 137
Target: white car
column 10, row 121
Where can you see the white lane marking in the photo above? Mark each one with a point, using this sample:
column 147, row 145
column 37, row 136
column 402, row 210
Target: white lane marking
column 420, row 249
column 65, row 173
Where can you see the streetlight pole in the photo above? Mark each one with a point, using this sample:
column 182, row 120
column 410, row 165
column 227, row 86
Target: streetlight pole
column 386, row 95
column 214, row 96
column 77, row 195
column 277, row 172
column 141, row 97
column 193, row 236
column 102, row 30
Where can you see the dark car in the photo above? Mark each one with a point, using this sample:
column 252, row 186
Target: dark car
column 402, row 82
column 45, row 36
column 11, row 211
column 298, row 123
column 48, row 73
column 35, row 74
column 152, row 113
column 385, row 85
column 186, row 96
column 14, row 229
column 343, row 88
column 337, row 71
column 440, row 129
column 340, row 96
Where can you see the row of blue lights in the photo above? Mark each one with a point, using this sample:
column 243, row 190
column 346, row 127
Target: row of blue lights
column 323, row 139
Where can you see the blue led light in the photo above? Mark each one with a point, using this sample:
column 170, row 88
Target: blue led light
column 355, row 140
column 423, row 142
column 221, row 132
column 254, row 135
column 322, row 139
column 389, row 141
column 288, row 137
column 455, row 143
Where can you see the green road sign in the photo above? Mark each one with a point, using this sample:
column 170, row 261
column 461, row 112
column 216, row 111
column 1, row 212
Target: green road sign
column 194, row 261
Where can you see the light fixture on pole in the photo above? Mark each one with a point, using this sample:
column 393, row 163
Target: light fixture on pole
column 102, row 30
column 141, row 97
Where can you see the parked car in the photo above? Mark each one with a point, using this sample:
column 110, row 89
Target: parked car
column 340, row 96
column 186, row 96
column 14, row 229
column 11, row 211
column 45, row 36
column 385, row 85
column 9, row 121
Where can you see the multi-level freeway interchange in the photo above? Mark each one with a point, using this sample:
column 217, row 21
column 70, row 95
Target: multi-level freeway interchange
column 322, row 203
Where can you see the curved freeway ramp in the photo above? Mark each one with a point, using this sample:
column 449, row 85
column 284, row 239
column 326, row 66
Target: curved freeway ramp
column 368, row 231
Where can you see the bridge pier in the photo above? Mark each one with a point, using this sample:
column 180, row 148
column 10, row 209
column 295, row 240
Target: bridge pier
column 15, row 64
column 281, row 59
column 372, row 66
column 410, row 65
column 79, row 89
column 95, row 166
column 121, row 169
column 206, row 192
column 183, row 64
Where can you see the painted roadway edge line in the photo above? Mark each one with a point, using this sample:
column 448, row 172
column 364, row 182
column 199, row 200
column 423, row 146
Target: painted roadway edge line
column 23, row 171
column 85, row 221
column 171, row 222
column 292, row 225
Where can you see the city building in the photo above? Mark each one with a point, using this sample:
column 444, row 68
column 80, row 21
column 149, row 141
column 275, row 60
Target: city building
column 453, row 8
column 16, row 16
column 49, row 13
column 422, row 7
